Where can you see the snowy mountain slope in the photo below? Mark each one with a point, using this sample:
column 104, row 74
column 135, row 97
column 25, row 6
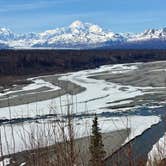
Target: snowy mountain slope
column 78, row 34
column 6, row 34
column 4, row 46
column 83, row 35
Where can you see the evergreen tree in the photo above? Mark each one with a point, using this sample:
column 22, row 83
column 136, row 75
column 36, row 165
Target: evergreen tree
column 96, row 147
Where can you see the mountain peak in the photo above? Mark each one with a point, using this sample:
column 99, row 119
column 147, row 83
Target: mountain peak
column 6, row 34
column 95, row 29
column 76, row 24
column 82, row 35
column 5, row 30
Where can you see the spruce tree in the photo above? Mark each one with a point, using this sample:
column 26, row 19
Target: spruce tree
column 96, row 148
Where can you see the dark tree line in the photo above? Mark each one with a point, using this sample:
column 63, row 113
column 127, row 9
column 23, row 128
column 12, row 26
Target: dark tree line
column 31, row 62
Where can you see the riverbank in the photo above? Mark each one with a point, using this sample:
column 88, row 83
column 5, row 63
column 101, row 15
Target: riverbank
column 112, row 141
column 136, row 150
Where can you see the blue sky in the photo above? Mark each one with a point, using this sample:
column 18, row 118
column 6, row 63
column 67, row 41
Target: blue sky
column 116, row 15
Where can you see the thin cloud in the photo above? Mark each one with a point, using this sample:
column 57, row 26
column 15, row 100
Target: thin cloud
column 33, row 5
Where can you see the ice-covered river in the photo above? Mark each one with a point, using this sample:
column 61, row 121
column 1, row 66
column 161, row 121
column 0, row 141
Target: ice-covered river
column 98, row 97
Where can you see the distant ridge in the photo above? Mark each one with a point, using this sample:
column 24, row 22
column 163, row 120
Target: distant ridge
column 81, row 35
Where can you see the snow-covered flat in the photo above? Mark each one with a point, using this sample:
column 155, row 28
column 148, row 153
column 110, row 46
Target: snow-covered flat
column 95, row 98
column 99, row 95
column 5, row 162
column 158, row 152
column 33, row 135
column 36, row 84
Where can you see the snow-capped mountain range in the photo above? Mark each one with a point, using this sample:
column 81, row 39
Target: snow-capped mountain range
column 83, row 35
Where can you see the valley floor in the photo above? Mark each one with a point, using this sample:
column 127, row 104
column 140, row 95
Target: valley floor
column 123, row 96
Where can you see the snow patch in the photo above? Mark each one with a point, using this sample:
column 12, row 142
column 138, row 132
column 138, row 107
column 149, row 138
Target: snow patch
column 158, row 151
column 5, row 162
